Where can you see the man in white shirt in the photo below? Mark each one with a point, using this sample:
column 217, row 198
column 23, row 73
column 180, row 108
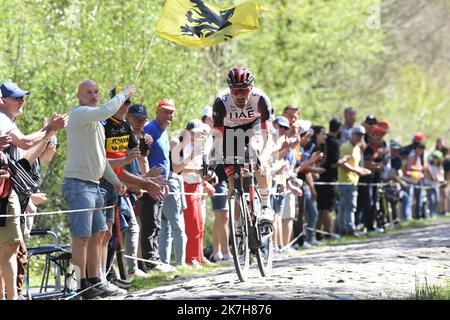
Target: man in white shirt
column 86, row 163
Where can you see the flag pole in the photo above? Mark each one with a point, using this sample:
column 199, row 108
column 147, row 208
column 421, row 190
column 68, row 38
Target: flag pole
column 145, row 58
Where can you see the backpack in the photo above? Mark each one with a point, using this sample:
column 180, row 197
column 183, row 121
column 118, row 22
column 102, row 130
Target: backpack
column 21, row 181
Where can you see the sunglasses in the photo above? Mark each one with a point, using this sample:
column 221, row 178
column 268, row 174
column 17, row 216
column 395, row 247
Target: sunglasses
column 237, row 91
column 127, row 102
column 18, row 99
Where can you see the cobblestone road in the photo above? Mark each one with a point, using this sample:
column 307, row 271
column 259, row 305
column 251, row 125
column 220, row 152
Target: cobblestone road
column 387, row 267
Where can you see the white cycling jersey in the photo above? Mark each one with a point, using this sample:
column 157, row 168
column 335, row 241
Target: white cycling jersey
column 227, row 114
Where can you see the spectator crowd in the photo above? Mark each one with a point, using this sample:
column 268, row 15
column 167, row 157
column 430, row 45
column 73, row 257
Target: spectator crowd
column 139, row 180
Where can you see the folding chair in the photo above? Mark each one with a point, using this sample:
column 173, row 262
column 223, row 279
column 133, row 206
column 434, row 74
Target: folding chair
column 57, row 257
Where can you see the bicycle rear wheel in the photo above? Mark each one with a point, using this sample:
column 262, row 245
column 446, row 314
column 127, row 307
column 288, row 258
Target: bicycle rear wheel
column 239, row 235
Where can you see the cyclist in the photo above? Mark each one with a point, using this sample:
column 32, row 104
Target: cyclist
column 242, row 112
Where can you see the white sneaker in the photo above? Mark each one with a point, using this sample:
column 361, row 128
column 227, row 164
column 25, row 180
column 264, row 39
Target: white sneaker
column 226, row 260
column 266, row 215
column 164, row 267
column 216, row 257
column 111, row 289
column 227, row 256
column 288, row 251
column 139, row 273
column 277, row 254
column 379, row 230
column 195, row 264
column 306, row 245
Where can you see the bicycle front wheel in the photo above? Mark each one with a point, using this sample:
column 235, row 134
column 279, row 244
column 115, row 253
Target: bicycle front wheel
column 239, row 235
column 264, row 255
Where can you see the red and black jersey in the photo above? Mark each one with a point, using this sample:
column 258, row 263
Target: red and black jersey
column 119, row 137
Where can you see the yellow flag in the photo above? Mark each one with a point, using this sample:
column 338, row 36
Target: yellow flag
column 198, row 23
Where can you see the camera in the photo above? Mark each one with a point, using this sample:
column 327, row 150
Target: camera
column 3, row 164
column 143, row 147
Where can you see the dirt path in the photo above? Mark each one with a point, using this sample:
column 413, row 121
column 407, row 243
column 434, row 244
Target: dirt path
column 381, row 268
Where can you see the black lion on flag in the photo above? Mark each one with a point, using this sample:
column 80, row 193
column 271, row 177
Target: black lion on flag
column 208, row 22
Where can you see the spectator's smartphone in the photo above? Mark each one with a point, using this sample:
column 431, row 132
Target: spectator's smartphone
column 143, row 147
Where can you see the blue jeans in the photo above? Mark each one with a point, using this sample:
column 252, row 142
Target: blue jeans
column 131, row 235
column 110, row 198
column 81, row 194
column 311, row 215
column 418, row 197
column 172, row 226
column 348, row 195
column 433, row 198
column 407, row 198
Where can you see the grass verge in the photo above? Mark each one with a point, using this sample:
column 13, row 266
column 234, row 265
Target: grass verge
column 432, row 292
column 412, row 224
column 158, row 278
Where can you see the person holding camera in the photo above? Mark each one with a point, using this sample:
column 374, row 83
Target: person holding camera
column 11, row 107
column 187, row 158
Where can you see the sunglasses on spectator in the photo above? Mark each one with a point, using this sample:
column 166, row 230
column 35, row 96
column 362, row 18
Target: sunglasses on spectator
column 17, row 99
column 237, row 91
column 127, row 102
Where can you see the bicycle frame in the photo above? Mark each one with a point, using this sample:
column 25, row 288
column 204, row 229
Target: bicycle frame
column 249, row 242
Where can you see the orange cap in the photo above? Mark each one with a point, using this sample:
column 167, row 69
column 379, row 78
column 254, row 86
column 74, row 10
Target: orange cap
column 166, row 104
column 384, row 124
column 378, row 130
column 419, row 137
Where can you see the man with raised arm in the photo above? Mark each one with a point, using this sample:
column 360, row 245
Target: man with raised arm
column 86, row 163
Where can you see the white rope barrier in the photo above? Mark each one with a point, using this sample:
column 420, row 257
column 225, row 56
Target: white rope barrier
column 53, row 212
column 141, row 259
column 215, row 194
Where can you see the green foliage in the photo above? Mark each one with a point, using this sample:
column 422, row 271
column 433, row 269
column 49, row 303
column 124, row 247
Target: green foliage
column 315, row 54
column 431, row 292
column 318, row 54
column 418, row 103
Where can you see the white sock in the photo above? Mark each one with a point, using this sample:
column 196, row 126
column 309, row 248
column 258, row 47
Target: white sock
column 104, row 274
column 100, row 273
column 265, row 196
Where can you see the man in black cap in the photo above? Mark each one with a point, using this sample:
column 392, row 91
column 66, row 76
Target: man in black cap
column 122, row 149
column 368, row 124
